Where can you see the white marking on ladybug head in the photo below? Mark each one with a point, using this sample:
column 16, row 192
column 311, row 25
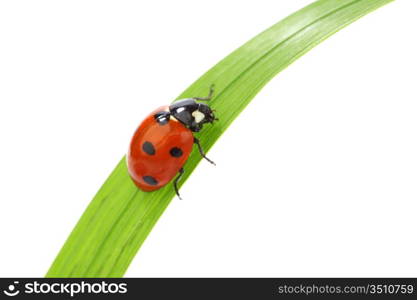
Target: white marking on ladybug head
column 198, row 116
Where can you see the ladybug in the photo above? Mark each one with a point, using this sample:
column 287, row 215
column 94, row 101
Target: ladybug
column 163, row 142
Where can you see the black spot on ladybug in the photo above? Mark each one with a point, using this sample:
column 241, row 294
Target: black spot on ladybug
column 162, row 117
column 175, row 152
column 150, row 180
column 148, row 148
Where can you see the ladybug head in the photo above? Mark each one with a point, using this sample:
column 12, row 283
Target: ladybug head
column 192, row 114
column 204, row 114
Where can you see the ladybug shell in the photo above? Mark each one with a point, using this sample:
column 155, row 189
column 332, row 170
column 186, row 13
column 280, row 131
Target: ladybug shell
column 158, row 151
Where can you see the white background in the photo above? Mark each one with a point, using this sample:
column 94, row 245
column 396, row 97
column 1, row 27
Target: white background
column 316, row 178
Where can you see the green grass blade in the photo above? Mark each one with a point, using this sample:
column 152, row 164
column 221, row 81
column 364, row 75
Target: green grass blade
column 120, row 217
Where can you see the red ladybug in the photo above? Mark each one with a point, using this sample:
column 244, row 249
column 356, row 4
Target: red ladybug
column 164, row 140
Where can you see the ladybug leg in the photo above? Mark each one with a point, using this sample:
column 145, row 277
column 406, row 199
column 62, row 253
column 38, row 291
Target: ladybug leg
column 208, row 98
column 180, row 173
column 200, row 149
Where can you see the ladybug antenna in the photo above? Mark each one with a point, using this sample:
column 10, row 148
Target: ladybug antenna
column 208, row 98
